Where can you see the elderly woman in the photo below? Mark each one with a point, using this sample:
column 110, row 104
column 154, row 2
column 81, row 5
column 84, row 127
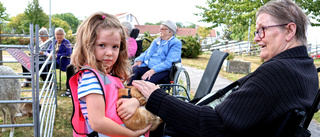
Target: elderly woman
column 286, row 81
column 131, row 42
column 62, row 48
column 154, row 64
column 43, row 32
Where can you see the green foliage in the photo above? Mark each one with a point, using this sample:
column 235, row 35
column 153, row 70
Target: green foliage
column 312, row 9
column 15, row 40
column 231, row 56
column 235, row 15
column 203, row 32
column 3, row 14
column 191, row 48
column 145, row 43
column 57, row 22
column 19, row 24
column 70, row 37
column 35, row 15
column 70, row 19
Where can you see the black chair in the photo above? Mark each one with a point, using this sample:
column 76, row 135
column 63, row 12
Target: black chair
column 60, row 71
column 210, row 74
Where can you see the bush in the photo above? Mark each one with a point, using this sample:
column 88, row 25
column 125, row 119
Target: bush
column 15, row 40
column 191, row 48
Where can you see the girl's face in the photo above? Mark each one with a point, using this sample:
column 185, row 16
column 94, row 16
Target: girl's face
column 107, row 47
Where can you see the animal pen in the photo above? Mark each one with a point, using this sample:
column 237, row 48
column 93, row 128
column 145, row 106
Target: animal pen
column 43, row 92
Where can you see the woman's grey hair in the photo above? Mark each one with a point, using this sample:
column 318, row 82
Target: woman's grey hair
column 59, row 30
column 285, row 11
column 128, row 26
column 43, row 31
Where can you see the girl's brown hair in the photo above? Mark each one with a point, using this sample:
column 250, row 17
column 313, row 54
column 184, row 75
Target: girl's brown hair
column 87, row 33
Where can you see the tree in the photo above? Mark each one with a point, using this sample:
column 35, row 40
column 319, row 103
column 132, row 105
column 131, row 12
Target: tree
column 70, row 19
column 18, row 24
column 231, row 13
column 158, row 23
column 203, row 33
column 312, row 9
column 36, row 15
column 3, row 14
column 191, row 25
column 237, row 14
column 179, row 24
column 57, row 22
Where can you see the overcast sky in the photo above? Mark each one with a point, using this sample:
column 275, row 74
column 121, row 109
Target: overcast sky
column 151, row 11
column 144, row 10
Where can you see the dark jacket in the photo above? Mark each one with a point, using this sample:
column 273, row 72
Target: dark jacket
column 64, row 50
column 286, row 82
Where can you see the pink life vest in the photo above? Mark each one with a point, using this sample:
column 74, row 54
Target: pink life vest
column 111, row 97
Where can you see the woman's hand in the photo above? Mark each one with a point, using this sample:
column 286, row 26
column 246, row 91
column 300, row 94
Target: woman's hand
column 127, row 107
column 148, row 74
column 137, row 63
column 145, row 87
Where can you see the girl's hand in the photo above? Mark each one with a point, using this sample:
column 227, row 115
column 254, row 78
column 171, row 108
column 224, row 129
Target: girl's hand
column 127, row 107
column 143, row 131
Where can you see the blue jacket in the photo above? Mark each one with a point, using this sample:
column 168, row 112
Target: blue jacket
column 160, row 57
column 64, row 50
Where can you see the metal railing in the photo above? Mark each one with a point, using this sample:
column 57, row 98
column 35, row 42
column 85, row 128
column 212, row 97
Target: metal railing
column 44, row 94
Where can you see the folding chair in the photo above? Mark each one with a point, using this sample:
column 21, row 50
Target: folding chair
column 210, row 74
column 60, row 71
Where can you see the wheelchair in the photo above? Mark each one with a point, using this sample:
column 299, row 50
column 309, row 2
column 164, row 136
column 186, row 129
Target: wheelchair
column 178, row 82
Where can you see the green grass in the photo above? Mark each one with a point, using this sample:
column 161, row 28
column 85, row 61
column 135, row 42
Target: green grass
column 62, row 126
column 202, row 61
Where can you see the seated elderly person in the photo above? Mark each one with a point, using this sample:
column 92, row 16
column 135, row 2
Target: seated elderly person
column 43, row 32
column 131, row 42
column 286, row 81
column 154, row 64
column 62, row 48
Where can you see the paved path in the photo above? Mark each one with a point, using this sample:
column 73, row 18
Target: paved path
column 195, row 77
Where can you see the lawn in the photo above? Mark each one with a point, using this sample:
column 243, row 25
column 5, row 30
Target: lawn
column 62, row 125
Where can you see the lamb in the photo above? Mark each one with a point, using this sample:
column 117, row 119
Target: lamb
column 9, row 90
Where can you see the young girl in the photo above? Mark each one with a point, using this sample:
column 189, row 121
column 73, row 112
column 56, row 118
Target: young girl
column 101, row 59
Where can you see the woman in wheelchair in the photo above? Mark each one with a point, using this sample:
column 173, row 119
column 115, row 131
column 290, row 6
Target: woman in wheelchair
column 154, row 64
column 286, row 81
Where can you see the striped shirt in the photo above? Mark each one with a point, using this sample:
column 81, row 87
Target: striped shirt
column 88, row 84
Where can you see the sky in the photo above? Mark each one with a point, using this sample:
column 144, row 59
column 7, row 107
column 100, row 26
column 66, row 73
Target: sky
column 144, row 10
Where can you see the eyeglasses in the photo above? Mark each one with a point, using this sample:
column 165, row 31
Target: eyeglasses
column 261, row 32
column 162, row 29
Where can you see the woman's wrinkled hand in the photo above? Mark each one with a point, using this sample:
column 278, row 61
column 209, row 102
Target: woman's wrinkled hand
column 137, row 63
column 145, row 87
column 148, row 74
